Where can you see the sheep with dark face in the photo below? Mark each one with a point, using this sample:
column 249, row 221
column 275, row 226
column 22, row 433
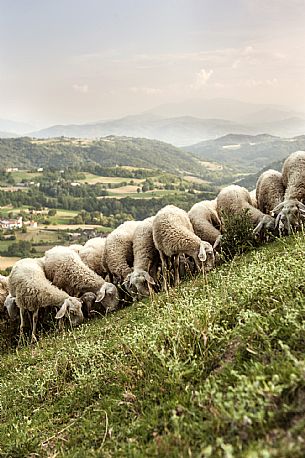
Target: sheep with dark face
column 173, row 235
column 33, row 291
column 290, row 213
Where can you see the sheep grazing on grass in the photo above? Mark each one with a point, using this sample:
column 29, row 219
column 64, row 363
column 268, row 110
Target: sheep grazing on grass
column 3, row 292
column 234, row 200
column 205, row 221
column 92, row 254
column 67, row 271
column 173, row 235
column 270, row 190
column 33, row 291
column 118, row 255
column 146, row 261
column 291, row 212
column 253, row 196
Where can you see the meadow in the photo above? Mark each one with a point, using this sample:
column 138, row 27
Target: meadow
column 214, row 369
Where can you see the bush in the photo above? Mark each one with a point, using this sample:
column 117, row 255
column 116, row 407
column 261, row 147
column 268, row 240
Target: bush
column 238, row 235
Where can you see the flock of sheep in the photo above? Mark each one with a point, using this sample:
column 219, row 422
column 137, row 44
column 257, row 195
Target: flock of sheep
column 139, row 257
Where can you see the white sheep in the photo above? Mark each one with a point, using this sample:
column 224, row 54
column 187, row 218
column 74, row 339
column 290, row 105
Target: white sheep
column 118, row 255
column 205, row 221
column 173, row 235
column 92, row 254
column 146, row 260
column 68, row 272
column 270, row 190
column 253, row 197
column 33, row 291
column 235, row 199
column 290, row 213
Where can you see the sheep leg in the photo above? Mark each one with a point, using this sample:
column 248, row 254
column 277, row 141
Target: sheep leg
column 164, row 271
column 35, row 319
column 176, row 270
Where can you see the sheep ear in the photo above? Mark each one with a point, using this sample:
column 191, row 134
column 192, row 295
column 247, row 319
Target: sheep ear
column 277, row 209
column 62, row 311
column 202, row 253
column 149, row 279
column 301, row 206
column 101, row 294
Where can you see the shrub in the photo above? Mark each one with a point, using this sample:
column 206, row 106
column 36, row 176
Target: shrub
column 238, row 235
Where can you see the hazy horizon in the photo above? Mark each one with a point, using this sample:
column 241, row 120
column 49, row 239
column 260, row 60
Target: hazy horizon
column 75, row 62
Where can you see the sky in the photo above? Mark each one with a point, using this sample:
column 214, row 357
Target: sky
column 75, row 61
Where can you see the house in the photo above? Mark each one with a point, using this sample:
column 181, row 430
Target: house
column 11, row 223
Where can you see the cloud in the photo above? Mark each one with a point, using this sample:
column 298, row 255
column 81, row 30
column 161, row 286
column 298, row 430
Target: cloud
column 202, row 78
column 82, row 88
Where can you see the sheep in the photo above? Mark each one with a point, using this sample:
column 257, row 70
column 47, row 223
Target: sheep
column 146, row 260
column 68, row 272
column 33, row 291
column 4, row 291
column 291, row 211
column 253, row 196
column 118, row 255
column 205, row 221
column 234, row 200
column 77, row 247
column 92, row 254
column 173, row 235
column 270, row 190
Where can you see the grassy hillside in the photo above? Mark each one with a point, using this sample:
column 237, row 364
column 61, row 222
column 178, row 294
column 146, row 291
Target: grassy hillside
column 247, row 151
column 214, row 370
column 60, row 153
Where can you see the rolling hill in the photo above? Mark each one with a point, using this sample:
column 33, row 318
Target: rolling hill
column 60, row 153
column 247, row 151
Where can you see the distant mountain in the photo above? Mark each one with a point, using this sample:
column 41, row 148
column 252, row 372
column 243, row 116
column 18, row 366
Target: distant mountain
column 179, row 131
column 7, row 135
column 190, row 122
column 246, row 151
column 20, row 128
column 110, row 151
column 231, row 109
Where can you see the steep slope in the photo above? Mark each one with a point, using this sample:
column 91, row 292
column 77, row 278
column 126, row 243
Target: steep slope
column 216, row 369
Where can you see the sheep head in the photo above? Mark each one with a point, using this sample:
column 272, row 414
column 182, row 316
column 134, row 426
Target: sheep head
column 71, row 309
column 138, row 283
column 108, row 297
column 265, row 227
column 289, row 215
column 88, row 300
column 11, row 307
column 204, row 258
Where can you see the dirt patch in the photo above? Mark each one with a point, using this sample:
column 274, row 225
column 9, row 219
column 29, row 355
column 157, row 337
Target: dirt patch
column 6, row 262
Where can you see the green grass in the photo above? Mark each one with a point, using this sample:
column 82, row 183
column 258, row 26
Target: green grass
column 217, row 369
